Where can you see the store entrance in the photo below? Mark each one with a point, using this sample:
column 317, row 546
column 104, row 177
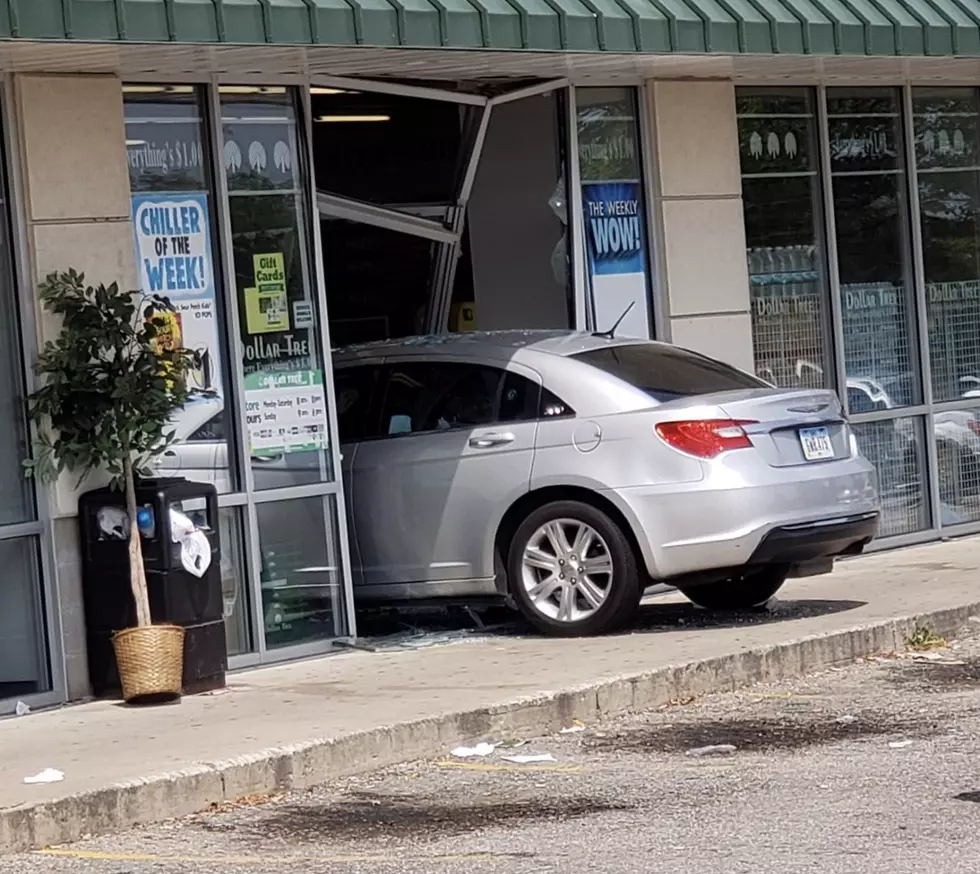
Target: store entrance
column 440, row 210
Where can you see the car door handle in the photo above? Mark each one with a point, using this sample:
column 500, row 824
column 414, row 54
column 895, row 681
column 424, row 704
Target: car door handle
column 487, row 441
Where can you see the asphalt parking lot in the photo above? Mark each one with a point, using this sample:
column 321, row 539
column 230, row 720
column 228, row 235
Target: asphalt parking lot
column 869, row 768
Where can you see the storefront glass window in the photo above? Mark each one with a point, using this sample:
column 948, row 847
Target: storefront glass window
column 24, row 663
column 871, row 213
column 23, row 643
column 948, row 175
column 782, row 196
column 867, row 155
column 616, row 249
column 302, row 577
column 947, row 155
column 279, row 318
column 173, row 215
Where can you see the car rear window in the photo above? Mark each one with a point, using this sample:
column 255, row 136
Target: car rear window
column 666, row 372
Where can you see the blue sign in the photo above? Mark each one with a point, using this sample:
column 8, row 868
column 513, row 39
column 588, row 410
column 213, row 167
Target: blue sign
column 614, row 227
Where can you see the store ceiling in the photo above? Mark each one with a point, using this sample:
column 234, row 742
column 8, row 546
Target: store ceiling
column 534, row 29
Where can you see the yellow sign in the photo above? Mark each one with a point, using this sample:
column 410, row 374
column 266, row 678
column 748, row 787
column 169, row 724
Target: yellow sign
column 463, row 317
column 266, row 303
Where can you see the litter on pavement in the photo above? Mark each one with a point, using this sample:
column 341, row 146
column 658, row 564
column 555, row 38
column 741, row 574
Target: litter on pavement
column 48, row 775
column 899, row 744
column 479, row 751
column 22, row 709
column 713, row 750
column 846, row 719
column 530, row 759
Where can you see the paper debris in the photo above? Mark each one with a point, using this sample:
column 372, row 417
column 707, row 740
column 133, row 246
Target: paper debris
column 48, row 775
column 899, row 744
column 22, row 709
column 713, row 750
column 478, row 751
column 530, row 759
column 846, row 719
column 573, row 729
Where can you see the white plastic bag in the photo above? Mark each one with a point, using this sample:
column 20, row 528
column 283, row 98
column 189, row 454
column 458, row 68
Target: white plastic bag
column 195, row 553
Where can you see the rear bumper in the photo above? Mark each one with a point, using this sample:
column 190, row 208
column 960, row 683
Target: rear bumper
column 796, row 544
column 734, row 518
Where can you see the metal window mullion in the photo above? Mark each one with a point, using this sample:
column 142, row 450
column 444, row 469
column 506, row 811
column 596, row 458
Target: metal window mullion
column 473, row 159
column 319, row 286
column 913, row 412
column 444, row 276
column 654, row 206
column 921, row 312
column 253, row 566
column 25, row 306
column 576, row 225
column 529, row 91
column 21, row 529
column 396, row 89
column 232, row 499
column 293, row 493
column 833, row 267
column 381, row 217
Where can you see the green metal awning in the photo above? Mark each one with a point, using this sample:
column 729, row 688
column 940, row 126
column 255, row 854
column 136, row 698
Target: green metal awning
column 938, row 28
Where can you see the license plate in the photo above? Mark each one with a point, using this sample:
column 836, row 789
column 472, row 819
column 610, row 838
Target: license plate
column 816, row 444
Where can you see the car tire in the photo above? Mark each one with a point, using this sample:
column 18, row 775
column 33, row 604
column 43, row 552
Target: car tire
column 743, row 592
column 606, row 592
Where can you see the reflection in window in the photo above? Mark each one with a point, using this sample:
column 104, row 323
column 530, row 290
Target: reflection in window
column 285, row 402
column 302, row 578
column 781, row 193
column 172, row 209
column 608, row 141
column 23, row 649
column 896, row 447
column 948, row 177
column 873, row 240
column 234, row 588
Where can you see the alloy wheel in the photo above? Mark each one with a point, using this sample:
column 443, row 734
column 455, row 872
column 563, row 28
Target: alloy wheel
column 567, row 570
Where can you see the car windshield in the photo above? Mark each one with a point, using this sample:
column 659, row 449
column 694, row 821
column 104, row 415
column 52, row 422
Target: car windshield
column 666, row 372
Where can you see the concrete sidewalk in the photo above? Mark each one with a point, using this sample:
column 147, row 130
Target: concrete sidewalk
column 299, row 724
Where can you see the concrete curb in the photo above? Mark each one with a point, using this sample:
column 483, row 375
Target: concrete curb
column 161, row 797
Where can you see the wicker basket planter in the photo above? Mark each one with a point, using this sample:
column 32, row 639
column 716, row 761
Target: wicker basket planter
column 151, row 662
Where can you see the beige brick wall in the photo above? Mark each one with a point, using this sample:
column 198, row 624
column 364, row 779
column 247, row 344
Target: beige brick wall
column 77, row 209
column 76, row 193
column 698, row 203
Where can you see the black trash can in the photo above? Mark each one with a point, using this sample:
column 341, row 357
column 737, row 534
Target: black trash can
column 177, row 596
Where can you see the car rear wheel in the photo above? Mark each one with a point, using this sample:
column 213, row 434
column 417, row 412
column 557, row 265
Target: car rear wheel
column 572, row 571
column 743, row 592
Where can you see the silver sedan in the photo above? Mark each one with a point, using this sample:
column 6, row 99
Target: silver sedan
column 569, row 472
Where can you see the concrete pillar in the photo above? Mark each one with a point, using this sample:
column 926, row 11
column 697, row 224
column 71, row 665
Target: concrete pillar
column 77, row 207
column 698, row 202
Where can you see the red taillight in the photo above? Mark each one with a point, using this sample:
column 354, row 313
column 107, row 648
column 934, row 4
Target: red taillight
column 705, row 438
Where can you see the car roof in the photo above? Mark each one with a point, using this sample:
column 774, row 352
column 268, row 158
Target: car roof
column 491, row 344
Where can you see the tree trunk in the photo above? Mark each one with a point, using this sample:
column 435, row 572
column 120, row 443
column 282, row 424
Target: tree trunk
column 137, row 573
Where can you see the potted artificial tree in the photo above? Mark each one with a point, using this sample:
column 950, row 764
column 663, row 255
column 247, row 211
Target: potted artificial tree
column 111, row 383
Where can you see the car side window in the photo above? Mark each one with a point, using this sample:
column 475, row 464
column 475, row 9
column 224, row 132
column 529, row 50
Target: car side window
column 354, row 387
column 212, row 430
column 519, row 399
column 429, row 397
column 553, row 407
